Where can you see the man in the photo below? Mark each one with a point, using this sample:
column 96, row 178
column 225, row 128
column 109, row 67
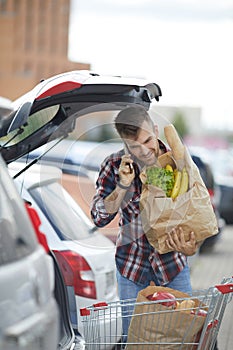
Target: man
column 118, row 190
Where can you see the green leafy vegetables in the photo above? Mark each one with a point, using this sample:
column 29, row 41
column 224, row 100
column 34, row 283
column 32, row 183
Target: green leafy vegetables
column 161, row 178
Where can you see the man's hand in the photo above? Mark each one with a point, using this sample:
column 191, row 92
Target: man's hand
column 177, row 242
column 126, row 173
column 126, row 170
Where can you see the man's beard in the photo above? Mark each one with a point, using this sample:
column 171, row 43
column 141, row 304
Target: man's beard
column 151, row 160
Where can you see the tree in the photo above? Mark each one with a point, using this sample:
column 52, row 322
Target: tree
column 180, row 124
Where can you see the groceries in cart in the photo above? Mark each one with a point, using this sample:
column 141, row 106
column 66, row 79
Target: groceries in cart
column 173, row 195
column 160, row 318
column 171, row 319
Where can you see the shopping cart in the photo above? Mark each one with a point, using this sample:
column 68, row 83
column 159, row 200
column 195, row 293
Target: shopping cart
column 200, row 323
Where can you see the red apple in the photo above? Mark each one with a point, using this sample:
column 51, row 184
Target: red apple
column 157, row 296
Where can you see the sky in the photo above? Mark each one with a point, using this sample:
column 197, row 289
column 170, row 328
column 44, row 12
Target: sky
column 185, row 46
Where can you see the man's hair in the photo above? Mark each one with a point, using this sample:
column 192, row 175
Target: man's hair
column 129, row 121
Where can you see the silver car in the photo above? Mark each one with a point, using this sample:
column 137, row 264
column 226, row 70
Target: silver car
column 85, row 256
column 29, row 313
column 33, row 297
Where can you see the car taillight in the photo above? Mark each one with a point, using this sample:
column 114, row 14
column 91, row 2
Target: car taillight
column 35, row 219
column 77, row 273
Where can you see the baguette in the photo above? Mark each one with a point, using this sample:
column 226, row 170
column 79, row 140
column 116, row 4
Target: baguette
column 175, row 144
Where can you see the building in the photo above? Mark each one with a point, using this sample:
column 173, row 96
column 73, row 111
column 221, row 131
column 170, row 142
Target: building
column 33, row 43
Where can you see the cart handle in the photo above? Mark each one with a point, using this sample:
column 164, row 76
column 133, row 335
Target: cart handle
column 85, row 311
column 212, row 324
column 98, row 306
column 225, row 288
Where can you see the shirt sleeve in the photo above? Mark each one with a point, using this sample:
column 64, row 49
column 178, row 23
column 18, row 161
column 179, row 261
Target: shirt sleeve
column 105, row 184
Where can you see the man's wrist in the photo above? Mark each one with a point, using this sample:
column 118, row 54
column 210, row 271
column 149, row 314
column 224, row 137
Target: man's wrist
column 123, row 186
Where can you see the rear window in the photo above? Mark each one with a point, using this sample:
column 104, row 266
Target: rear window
column 17, row 238
column 34, row 123
column 64, row 214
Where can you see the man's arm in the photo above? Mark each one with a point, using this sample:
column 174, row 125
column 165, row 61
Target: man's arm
column 126, row 174
column 113, row 201
column 109, row 194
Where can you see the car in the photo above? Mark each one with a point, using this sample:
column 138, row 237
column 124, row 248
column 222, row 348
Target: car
column 226, row 201
column 21, row 265
column 221, row 163
column 52, row 109
column 66, row 337
column 85, row 256
column 214, row 192
column 30, row 314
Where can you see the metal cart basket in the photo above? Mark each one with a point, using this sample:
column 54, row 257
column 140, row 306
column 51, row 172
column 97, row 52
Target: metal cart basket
column 200, row 323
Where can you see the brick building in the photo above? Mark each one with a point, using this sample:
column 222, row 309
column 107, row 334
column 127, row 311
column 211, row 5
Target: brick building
column 34, row 36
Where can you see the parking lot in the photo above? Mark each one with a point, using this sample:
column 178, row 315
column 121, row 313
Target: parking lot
column 208, row 270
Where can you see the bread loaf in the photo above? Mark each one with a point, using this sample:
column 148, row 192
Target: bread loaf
column 175, row 143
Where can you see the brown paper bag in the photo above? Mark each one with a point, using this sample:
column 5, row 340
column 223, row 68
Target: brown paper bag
column 192, row 210
column 158, row 324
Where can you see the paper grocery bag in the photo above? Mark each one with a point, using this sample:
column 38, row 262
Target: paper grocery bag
column 165, row 327
column 192, row 210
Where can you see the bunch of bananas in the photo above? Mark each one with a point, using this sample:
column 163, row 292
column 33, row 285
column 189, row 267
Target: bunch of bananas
column 181, row 181
column 172, row 182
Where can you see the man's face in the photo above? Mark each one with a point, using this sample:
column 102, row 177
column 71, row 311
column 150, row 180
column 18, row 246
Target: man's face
column 145, row 147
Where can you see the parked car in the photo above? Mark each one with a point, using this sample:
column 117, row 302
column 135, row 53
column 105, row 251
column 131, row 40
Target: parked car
column 84, row 255
column 29, row 312
column 221, row 163
column 226, row 201
column 214, row 192
column 66, row 338
column 23, row 291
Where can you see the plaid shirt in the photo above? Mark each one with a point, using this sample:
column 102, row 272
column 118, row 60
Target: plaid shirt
column 135, row 257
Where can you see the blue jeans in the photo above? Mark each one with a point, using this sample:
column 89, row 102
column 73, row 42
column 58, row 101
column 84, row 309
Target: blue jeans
column 129, row 290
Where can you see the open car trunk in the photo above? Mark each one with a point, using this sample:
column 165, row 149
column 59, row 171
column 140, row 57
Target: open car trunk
column 50, row 110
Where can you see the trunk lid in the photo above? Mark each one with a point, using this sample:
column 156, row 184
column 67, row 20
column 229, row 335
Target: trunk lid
column 50, row 110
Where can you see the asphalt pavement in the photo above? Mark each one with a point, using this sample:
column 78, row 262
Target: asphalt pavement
column 208, row 270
